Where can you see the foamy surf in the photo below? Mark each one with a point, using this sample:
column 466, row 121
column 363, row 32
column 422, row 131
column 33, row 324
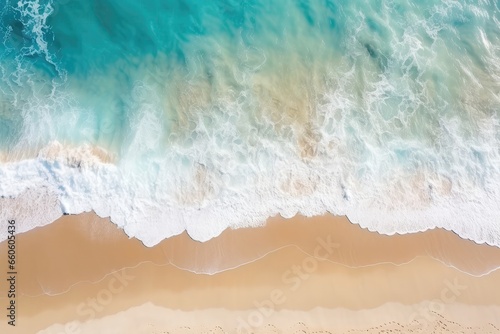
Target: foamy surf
column 221, row 116
column 73, row 182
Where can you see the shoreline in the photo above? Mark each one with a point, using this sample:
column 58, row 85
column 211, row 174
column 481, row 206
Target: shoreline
column 278, row 233
column 79, row 179
column 67, row 262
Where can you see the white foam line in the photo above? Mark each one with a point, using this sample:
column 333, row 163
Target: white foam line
column 262, row 257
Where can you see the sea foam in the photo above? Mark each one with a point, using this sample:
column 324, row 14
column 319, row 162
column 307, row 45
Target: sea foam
column 223, row 115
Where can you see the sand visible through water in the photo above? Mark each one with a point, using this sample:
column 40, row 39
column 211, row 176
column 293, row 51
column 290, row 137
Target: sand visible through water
column 323, row 273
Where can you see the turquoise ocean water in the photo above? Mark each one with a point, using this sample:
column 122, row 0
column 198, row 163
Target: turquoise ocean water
column 223, row 113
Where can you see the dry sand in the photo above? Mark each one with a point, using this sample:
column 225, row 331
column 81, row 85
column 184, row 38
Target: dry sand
column 307, row 274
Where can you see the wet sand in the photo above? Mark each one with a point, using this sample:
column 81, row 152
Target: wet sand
column 323, row 273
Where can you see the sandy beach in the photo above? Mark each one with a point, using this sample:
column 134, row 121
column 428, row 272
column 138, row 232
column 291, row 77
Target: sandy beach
column 249, row 167
column 81, row 274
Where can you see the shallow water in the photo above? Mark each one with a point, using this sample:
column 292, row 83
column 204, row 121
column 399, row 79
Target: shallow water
column 224, row 113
